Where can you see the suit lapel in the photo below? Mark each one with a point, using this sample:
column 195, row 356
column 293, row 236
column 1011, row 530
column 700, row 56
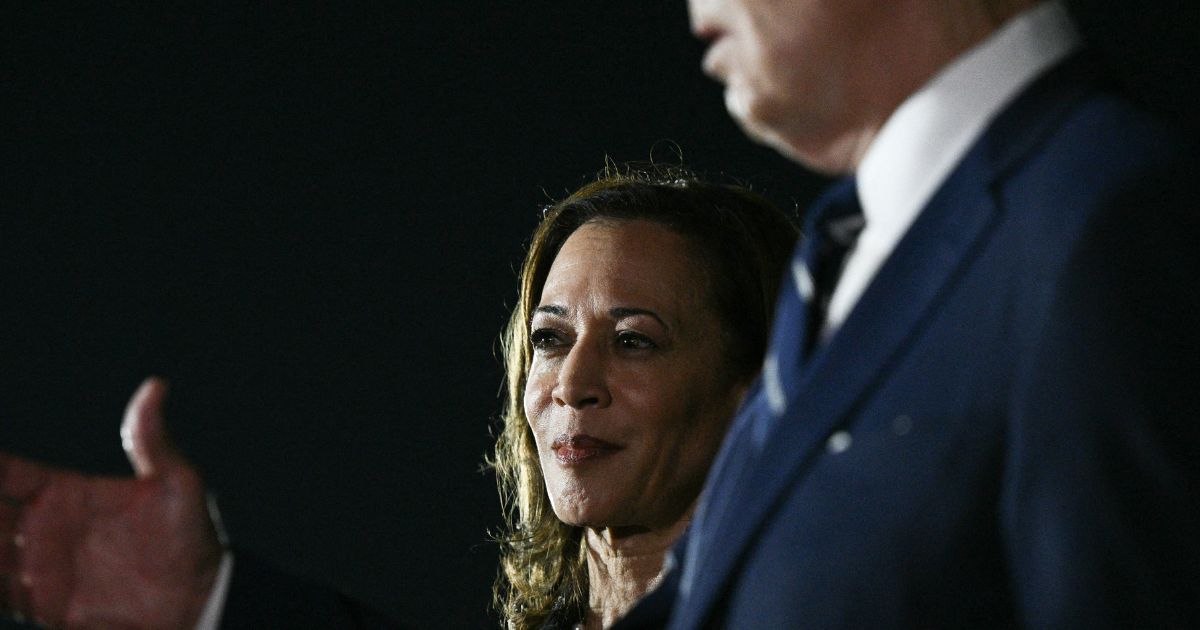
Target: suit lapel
column 905, row 293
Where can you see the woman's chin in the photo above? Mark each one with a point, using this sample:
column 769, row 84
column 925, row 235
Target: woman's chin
column 591, row 516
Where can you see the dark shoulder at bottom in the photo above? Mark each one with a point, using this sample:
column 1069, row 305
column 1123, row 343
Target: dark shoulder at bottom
column 261, row 596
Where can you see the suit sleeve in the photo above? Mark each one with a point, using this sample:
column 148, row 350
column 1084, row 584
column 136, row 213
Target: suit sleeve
column 261, row 596
column 1102, row 475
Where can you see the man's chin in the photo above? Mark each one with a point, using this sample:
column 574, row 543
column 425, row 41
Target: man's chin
column 756, row 123
column 747, row 112
column 765, row 135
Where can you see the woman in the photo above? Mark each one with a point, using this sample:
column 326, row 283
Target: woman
column 645, row 301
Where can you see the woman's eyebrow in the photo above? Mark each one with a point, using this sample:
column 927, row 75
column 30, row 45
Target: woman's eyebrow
column 552, row 309
column 621, row 312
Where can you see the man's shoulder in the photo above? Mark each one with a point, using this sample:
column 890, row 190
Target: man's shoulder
column 1075, row 121
column 1073, row 148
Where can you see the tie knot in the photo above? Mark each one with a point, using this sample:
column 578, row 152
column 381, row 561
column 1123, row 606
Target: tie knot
column 844, row 230
column 834, row 224
column 839, row 201
column 836, row 217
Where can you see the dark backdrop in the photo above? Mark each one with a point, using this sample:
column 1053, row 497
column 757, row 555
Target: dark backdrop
column 308, row 219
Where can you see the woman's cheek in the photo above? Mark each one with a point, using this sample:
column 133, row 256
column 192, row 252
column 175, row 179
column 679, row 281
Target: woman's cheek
column 537, row 391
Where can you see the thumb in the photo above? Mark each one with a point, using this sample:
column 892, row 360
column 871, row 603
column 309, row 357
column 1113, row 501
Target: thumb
column 143, row 435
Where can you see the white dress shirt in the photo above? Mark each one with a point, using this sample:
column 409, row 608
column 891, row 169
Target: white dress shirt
column 928, row 135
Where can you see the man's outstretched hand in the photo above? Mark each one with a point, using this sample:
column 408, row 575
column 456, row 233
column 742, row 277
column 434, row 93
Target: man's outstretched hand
column 79, row 551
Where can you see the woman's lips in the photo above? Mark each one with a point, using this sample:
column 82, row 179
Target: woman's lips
column 574, row 450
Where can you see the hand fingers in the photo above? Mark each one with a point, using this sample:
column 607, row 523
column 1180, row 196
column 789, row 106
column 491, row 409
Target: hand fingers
column 16, row 596
column 12, row 592
column 9, row 561
column 20, row 481
column 9, row 516
column 143, row 434
column 53, row 531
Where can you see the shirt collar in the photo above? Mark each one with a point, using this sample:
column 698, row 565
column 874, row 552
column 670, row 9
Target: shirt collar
column 923, row 140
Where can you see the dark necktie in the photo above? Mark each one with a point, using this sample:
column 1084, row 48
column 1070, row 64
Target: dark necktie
column 835, row 230
column 831, row 228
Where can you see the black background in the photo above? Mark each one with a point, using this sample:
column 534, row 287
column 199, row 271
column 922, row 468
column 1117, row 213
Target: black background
column 308, row 218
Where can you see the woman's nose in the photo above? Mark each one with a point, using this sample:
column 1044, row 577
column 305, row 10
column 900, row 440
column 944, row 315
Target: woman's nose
column 582, row 378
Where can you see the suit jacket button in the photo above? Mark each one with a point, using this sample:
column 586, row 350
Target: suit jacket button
column 838, row 442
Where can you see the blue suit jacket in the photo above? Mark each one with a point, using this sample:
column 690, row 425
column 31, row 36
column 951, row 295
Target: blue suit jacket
column 1019, row 384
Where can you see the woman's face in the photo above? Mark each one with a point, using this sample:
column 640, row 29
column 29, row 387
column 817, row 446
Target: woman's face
column 630, row 392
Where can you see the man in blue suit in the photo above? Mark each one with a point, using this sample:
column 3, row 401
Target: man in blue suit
column 991, row 418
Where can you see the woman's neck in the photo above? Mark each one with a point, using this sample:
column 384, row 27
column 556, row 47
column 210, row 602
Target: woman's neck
column 623, row 565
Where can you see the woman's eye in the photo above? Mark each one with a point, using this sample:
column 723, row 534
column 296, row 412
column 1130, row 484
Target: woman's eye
column 634, row 341
column 544, row 338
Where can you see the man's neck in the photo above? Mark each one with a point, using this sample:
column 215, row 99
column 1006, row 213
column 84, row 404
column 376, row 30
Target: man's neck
column 948, row 30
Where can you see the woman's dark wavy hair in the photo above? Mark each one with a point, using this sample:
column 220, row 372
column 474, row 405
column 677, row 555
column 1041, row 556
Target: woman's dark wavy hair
column 740, row 242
